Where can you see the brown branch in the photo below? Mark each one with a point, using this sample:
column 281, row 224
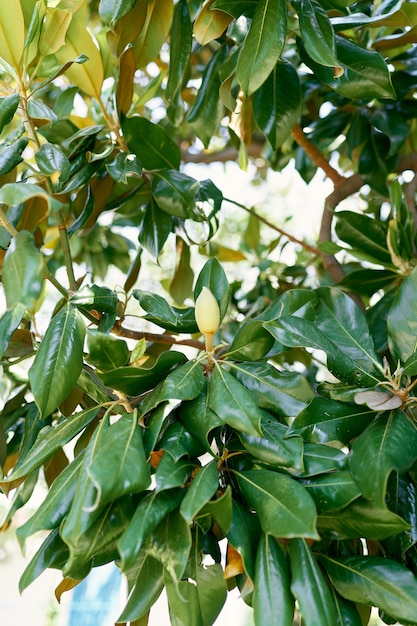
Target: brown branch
column 164, row 338
column 229, row 153
column 316, row 155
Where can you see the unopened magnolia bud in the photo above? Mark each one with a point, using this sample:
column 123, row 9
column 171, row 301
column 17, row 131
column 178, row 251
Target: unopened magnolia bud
column 207, row 312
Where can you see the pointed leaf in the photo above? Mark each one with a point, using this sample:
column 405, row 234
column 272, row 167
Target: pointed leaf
column 332, row 491
column 8, row 107
column 145, row 592
column 153, row 147
column 180, row 49
column 284, row 507
column 53, row 553
column 277, row 104
column 175, row 193
column 317, row 33
column 210, row 23
column 51, row 159
column 402, row 325
column 154, row 229
column 11, row 155
column 58, row 361
column 272, row 595
column 310, row 587
column 273, row 448
column 9, row 321
column 23, row 271
column 376, row 580
column 106, row 352
column 171, row 543
column 232, row 403
column 251, row 343
column 243, row 535
column 263, row 44
column 203, row 487
column 171, row 473
column 388, row 443
column 154, row 32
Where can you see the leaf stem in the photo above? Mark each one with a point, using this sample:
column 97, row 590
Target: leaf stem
column 7, row 224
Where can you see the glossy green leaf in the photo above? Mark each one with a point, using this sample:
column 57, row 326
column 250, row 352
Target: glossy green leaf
column 232, row 403
column 171, row 543
column 52, row 553
column 197, row 602
column 23, row 271
column 346, row 612
column 135, row 380
column 58, row 361
column 317, row 32
column 263, row 44
column 203, row 487
column 180, row 49
column 51, row 159
column 251, row 343
column 56, row 504
column 175, row 193
column 221, row 510
column 145, row 592
column 50, row 440
column 368, row 281
column 277, row 104
column 17, row 193
column 153, row 147
column 114, row 10
column 178, row 442
column 325, row 420
column 149, row 513
column 243, row 535
column 181, row 285
column 154, row 229
column 392, row 18
column 170, row 473
column 361, row 519
column 402, row 326
column 160, row 312
column 9, row 321
column 366, row 237
column 198, row 418
column 11, row 155
column 372, row 579
column 8, row 107
column 320, row 459
column 205, row 114
column 310, row 587
column 284, row 507
column 388, row 443
column 272, row 595
column 281, row 392
column 210, row 23
column 332, row 491
column 273, row 448
column 106, row 352
column 97, row 545
column 214, row 277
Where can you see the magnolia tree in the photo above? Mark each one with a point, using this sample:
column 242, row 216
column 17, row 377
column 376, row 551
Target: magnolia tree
column 208, row 435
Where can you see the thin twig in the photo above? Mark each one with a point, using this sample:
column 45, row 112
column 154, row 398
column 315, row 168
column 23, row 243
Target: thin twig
column 164, row 338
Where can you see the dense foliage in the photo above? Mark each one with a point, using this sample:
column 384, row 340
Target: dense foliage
column 292, row 449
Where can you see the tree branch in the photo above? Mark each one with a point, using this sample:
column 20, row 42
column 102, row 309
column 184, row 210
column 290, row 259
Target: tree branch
column 164, row 338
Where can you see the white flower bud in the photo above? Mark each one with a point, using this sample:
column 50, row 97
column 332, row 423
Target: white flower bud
column 207, row 312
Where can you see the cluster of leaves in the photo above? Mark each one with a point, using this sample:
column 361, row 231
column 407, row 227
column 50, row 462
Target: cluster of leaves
column 154, row 459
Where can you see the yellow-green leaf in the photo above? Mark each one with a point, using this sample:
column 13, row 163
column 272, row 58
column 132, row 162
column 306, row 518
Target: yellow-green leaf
column 154, row 32
column 210, row 23
column 12, row 32
column 54, row 30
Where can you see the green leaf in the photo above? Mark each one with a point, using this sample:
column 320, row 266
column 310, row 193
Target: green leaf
column 310, row 587
column 17, row 193
column 205, row 114
column 175, row 193
column 376, row 580
column 272, row 448
column 327, row 420
column 388, row 443
column 58, row 361
column 197, row 602
column 198, row 418
column 284, row 507
column 153, row 147
column 11, row 155
column 171, row 543
column 51, row 159
column 180, row 49
column 53, row 553
column 113, row 10
column 50, row 440
column 149, row 513
column 135, row 380
column 221, row 510
column 277, row 104
column 23, row 271
column 332, row 491
column 244, row 534
column 263, row 44
column 361, row 519
column 402, row 324
column 320, row 459
column 272, row 595
column 145, row 592
column 8, row 107
column 232, row 403
column 106, row 352
column 119, row 465
column 160, row 312
column 154, row 228
column 251, row 343
column 170, row 473
column 56, row 505
column 281, row 392
column 203, row 487
column 353, row 20
column 214, row 277
column 317, row 33
column 9, row 322
column 12, row 32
